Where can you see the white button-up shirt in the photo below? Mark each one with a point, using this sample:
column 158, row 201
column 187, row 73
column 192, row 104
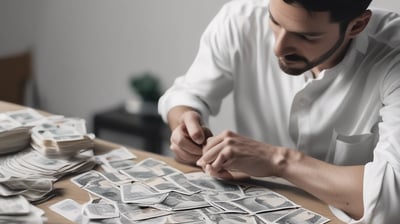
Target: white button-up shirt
column 349, row 115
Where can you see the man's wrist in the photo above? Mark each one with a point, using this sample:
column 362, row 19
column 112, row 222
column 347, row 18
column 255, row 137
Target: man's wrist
column 175, row 115
column 284, row 159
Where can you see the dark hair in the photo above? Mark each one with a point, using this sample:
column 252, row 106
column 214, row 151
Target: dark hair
column 341, row 11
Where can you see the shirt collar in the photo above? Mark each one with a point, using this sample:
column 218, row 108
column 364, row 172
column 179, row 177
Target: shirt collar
column 360, row 43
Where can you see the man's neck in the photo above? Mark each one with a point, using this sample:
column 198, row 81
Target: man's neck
column 333, row 61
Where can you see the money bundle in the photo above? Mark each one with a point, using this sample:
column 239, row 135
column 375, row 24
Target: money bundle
column 15, row 129
column 64, row 137
column 32, row 174
column 16, row 209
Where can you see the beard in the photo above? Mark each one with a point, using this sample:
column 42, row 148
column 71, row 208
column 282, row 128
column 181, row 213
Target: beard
column 308, row 64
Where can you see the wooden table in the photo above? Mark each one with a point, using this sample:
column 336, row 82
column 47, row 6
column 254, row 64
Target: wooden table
column 70, row 190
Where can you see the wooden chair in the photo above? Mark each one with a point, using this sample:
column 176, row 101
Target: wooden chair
column 15, row 75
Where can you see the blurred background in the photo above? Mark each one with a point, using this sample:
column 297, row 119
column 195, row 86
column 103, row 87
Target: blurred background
column 84, row 53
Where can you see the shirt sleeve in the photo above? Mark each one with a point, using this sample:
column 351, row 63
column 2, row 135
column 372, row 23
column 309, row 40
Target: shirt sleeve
column 209, row 78
column 381, row 191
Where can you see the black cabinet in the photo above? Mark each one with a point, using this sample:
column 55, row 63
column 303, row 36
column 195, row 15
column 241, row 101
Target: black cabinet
column 148, row 126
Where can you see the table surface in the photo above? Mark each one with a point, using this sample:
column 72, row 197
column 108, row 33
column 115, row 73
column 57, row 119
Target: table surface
column 69, row 190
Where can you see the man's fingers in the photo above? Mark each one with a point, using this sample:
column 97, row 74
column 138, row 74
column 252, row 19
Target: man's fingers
column 213, row 147
column 180, row 140
column 211, row 143
column 210, row 154
column 207, row 132
column 194, row 128
column 188, row 146
column 196, row 133
column 221, row 174
column 184, row 156
column 223, row 160
column 188, row 137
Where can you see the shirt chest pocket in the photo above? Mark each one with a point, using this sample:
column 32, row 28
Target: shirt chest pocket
column 351, row 149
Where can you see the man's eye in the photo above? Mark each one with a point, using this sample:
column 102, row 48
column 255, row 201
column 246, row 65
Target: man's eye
column 306, row 37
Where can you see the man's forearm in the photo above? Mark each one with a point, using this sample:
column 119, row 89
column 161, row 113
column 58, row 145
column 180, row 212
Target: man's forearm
column 339, row 186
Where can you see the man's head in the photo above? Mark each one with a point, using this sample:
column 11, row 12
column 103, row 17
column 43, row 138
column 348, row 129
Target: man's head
column 314, row 34
column 341, row 11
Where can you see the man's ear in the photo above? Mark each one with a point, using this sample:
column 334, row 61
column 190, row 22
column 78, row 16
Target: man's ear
column 358, row 24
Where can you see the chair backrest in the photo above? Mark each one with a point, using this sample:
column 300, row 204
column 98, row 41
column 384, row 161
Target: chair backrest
column 15, row 71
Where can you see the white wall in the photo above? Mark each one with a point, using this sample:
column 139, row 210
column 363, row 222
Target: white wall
column 17, row 25
column 86, row 50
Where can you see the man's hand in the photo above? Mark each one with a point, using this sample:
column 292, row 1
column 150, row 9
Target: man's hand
column 188, row 135
column 340, row 186
column 229, row 152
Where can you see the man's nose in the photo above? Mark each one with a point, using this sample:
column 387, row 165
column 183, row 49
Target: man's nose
column 284, row 43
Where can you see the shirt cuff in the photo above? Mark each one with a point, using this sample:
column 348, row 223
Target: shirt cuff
column 340, row 214
column 170, row 100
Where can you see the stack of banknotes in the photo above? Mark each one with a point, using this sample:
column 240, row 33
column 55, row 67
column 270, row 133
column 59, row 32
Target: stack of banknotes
column 63, row 137
column 15, row 129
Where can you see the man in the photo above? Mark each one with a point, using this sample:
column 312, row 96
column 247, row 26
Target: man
column 316, row 88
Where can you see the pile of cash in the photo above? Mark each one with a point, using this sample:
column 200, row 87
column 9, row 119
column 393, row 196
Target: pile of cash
column 16, row 209
column 150, row 191
column 63, row 137
column 32, row 174
column 54, row 136
column 35, row 152
column 15, row 129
